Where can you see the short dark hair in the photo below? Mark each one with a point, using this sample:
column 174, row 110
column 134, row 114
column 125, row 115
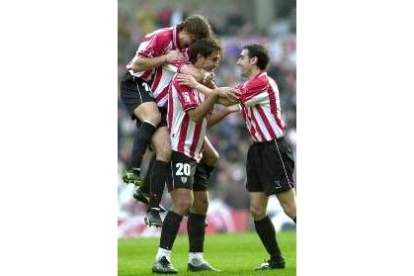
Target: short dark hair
column 259, row 51
column 197, row 26
column 205, row 47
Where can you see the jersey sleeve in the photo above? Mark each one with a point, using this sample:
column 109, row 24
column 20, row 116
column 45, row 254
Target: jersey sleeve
column 254, row 92
column 186, row 96
column 155, row 46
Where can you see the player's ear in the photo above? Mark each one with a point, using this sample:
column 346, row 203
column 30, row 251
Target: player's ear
column 253, row 60
column 199, row 57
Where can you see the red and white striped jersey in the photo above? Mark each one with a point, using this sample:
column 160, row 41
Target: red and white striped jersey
column 187, row 136
column 261, row 109
column 158, row 43
column 163, row 77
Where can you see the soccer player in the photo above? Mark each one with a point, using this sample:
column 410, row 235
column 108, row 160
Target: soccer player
column 196, row 222
column 270, row 162
column 187, row 122
column 144, row 91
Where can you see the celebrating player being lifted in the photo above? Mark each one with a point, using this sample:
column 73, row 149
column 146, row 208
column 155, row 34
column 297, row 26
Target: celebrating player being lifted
column 187, row 122
column 270, row 162
column 144, row 91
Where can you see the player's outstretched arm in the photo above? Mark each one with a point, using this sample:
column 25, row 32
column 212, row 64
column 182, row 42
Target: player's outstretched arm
column 140, row 63
column 227, row 95
column 197, row 114
column 217, row 116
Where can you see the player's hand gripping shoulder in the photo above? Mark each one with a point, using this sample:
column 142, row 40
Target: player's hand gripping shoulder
column 173, row 56
column 187, row 80
column 227, row 96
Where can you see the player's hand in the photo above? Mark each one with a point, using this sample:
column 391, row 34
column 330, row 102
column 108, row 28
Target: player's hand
column 187, row 80
column 229, row 94
column 207, row 76
column 210, row 84
column 173, row 56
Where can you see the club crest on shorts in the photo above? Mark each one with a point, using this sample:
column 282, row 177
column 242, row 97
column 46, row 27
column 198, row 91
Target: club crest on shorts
column 278, row 184
column 184, row 179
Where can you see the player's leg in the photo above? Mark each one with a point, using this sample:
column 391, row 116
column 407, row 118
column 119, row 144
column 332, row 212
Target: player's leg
column 148, row 114
column 141, row 106
column 259, row 194
column 180, row 188
column 196, row 223
column 281, row 152
column 159, row 173
column 142, row 193
column 265, row 230
column 287, row 200
column 196, row 226
column 182, row 200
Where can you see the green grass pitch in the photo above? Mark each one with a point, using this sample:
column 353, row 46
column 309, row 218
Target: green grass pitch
column 234, row 254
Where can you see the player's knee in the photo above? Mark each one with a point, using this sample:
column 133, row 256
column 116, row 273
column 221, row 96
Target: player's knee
column 148, row 113
column 204, row 204
column 183, row 206
column 289, row 208
column 200, row 206
column 257, row 212
column 154, row 118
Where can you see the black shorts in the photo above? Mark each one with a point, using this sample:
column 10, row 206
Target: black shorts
column 182, row 172
column 200, row 179
column 270, row 167
column 135, row 91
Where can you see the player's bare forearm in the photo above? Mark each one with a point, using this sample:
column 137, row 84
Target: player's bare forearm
column 140, row 63
column 203, row 89
column 226, row 96
column 228, row 93
column 218, row 116
column 197, row 114
column 226, row 101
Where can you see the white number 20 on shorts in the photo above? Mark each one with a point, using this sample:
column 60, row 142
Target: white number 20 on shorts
column 183, row 169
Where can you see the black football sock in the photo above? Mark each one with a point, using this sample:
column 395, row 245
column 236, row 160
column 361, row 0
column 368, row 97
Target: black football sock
column 169, row 230
column 158, row 178
column 145, row 187
column 267, row 234
column 141, row 143
column 196, row 232
column 294, row 219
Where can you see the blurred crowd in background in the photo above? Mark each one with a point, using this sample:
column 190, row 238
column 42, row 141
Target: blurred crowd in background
column 236, row 23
